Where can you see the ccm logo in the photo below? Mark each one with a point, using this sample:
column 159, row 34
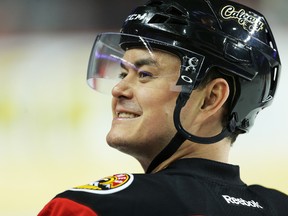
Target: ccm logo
column 240, row 201
column 136, row 17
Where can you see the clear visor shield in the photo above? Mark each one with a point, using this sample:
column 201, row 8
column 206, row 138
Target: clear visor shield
column 137, row 62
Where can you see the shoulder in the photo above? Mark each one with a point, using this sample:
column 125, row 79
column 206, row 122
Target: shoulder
column 91, row 199
column 272, row 193
column 276, row 199
column 111, row 195
column 125, row 185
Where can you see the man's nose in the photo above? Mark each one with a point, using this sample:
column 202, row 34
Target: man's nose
column 122, row 89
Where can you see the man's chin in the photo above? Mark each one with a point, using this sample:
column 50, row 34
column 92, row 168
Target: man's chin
column 116, row 140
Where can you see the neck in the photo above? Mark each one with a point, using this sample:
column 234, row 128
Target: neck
column 217, row 152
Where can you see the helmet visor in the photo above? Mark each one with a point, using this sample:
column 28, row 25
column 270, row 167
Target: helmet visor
column 138, row 62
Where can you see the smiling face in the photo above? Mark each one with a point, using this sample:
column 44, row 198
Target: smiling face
column 143, row 104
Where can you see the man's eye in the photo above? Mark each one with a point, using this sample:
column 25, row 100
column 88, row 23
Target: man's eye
column 145, row 74
column 122, row 75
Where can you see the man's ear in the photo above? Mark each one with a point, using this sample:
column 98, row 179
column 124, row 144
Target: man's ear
column 216, row 94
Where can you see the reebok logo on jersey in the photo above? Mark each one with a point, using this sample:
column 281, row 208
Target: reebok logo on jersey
column 240, row 201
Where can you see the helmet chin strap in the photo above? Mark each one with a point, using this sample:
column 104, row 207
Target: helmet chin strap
column 181, row 101
column 183, row 135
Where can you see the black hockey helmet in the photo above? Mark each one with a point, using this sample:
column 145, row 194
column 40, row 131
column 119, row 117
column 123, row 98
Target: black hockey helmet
column 228, row 35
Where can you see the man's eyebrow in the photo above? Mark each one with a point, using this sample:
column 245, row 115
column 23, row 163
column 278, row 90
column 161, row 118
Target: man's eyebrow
column 139, row 63
column 148, row 61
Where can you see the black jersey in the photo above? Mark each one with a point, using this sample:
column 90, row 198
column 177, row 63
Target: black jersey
column 188, row 187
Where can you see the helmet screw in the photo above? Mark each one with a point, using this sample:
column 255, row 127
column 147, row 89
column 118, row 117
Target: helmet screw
column 245, row 123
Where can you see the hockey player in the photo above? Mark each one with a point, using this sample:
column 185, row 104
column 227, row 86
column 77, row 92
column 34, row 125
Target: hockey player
column 187, row 77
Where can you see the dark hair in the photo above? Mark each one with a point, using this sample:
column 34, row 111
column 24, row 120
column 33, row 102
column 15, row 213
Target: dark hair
column 232, row 81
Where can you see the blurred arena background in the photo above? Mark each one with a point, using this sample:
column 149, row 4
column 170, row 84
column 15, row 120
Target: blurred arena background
column 53, row 127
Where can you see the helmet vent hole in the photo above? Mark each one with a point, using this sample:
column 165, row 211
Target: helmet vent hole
column 273, row 80
column 175, row 11
column 164, row 19
column 155, row 3
column 158, row 19
column 177, row 22
column 275, row 74
column 269, row 38
column 271, row 44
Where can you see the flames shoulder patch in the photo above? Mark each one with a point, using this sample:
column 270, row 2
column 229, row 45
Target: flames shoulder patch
column 107, row 185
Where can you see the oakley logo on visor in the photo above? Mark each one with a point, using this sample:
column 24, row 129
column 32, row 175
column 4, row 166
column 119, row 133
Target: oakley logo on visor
column 190, row 69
